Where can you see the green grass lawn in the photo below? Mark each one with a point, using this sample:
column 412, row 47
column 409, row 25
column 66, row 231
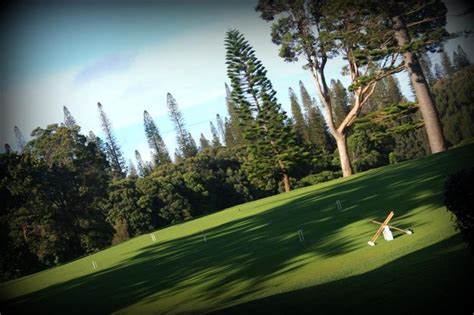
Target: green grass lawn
column 253, row 261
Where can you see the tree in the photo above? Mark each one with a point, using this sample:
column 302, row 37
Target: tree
column 234, row 121
column 20, row 140
column 270, row 140
column 319, row 31
column 300, row 125
column 419, row 26
column 92, row 138
column 69, row 120
column 438, row 71
column 186, row 144
column 121, row 232
column 220, row 128
column 230, row 138
column 455, row 102
column 113, row 151
column 215, row 136
column 143, row 168
column 132, row 170
column 448, row 68
column 122, row 206
column 8, row 148
column 339, row 101
column 425, row 63
column 318, row 134
column 460, row 59
column 155, row 141
column 204, row 143
column 458, row 198
column 56, row 188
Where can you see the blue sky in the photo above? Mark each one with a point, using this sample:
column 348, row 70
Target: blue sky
column 128, row 55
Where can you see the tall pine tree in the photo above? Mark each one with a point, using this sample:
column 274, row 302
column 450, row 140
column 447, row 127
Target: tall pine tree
column 20, row 140
column 301, row 129
column 317, row 131
column 271, row 142
column 155, row 141
column 460, row 59
column 204, row 143
column 215, row 136
column 339, row 101
column 143, row 168
column 448, row 68
column 230, row 139
column 425, row 63
column 69, row 120
column 113, row 150
column 419, row 26
column 186, row 144
column 220, row 128
column 234, row 120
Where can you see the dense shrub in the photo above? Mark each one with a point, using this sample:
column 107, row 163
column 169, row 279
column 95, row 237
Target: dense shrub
column 313, row 179
column 459, row 199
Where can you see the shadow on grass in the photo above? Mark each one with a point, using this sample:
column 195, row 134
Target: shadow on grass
column 434, row 280
column 247, row 251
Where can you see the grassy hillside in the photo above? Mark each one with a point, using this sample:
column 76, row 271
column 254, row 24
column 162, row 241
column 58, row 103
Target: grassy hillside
column 253, row 260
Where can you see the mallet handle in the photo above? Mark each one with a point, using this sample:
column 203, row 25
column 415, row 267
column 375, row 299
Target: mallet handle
column 379, row 231
column 390, row 226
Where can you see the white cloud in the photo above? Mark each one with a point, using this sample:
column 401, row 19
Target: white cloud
column 190, row 66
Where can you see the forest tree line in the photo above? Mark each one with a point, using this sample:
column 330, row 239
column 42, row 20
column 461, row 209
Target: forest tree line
column 67, row 194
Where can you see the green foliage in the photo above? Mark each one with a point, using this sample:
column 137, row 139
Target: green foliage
column 144, row 168
column 301, row 129
column 425, row 21
column 121, row 232
column 426, row 65
column 367, row 152
column 322, row 177
column 459, row 200
column 317, row 130
column 54, row 195
column 460, row 59
column 253, row 250
column 448, row 68
column 204, row 143
column 271, row 144
column 122, row 205
column 20, row 140
column 112, row 148
column 155, row 141
column 391, row 133
column 69, row 120
column 339, row 101
column 186, row 144
column 455, row 103
column 211, row 181
column 215, row 136
column 233, row 129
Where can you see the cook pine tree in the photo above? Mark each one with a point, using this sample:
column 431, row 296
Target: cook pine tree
column 186, row 144
column 157, row 146
column 271, row 143
column 112, row 147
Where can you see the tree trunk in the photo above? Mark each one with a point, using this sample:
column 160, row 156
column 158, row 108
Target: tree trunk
column 422, row 91
column 343, row 154
column 286, row 178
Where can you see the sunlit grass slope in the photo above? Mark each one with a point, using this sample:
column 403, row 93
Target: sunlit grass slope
column 254, row 262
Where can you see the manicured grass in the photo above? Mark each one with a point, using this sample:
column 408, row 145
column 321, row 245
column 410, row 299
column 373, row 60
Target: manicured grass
column 253, row 261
